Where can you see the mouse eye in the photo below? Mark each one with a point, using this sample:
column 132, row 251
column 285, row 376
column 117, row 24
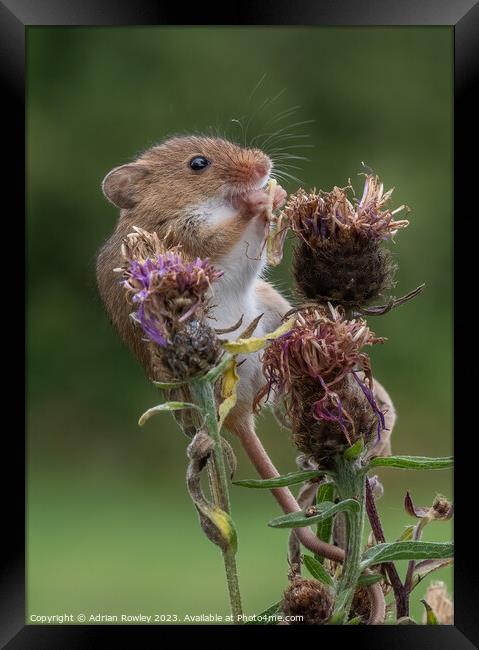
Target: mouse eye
column 199, row 162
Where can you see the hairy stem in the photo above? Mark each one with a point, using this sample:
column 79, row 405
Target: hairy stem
column 401, row 595
column 418, row 528
column 350, row 483
column 203, row 391
column 266, row 469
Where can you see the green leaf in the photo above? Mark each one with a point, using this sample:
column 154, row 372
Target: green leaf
column 164, row 385
column 325, row 527
column 323, row 511
column 355, row 450
column 431, row 618
column 270, row 611
column 368, row 579
column 412, row 462
column 280, row 481
column 410, row 550
column 317, row 570
column 337, row 619
column 167, row 406
column 213, row 373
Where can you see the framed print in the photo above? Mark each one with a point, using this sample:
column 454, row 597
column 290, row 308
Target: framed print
column 239, row 238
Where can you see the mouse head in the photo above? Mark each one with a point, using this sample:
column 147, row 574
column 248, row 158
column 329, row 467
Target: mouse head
column 187, row 171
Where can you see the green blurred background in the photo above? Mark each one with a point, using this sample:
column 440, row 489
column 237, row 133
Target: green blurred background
column 111, row 529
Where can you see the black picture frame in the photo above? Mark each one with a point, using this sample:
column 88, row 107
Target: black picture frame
column 15, row 17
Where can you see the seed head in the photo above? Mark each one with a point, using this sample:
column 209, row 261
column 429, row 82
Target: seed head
column 309, row 599
column 314, row 368
column 337, row 257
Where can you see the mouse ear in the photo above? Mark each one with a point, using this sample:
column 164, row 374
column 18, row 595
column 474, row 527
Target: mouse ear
column 120, row 186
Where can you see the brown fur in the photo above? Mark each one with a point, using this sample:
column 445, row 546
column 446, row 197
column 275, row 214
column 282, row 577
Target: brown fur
column 159, row 192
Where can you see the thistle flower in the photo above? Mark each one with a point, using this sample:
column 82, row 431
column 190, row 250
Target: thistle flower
column 170, row 296
column 338, row 257
column 314, row 368
column 308, row 599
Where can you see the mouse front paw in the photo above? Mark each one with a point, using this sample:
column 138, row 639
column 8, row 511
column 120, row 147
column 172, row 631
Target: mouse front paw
column 279, row 197
column 254, row 204
column 259, row 201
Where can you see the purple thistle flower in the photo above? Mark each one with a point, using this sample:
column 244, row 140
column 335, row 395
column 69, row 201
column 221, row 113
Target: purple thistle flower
column 309, row 367
column 167, row 287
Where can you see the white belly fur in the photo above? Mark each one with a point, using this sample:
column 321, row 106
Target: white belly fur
column 233, row 296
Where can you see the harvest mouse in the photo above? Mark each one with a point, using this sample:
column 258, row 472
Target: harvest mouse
column 207, row 194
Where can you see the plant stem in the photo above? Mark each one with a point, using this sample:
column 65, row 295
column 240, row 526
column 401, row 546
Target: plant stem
column 400, row 592
column 204, row 393
column 266, row 469
column 350, row 483
column 418, row 528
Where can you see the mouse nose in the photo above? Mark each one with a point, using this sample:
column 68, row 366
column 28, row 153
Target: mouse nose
column 262, row 167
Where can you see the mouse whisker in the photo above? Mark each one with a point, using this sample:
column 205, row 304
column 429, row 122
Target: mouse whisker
column 282, row 115
column 283, row 166
column 286, row 113
column 281, row 157
column 282, row 175
column 262, row 106
column 256, row 87
column 286, row 128
column 239, row 122
column 293, row 143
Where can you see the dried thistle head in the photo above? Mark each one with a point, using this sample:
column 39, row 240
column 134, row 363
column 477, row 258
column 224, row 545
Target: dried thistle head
column 308, row 599
column 314, row 368
column 338, row 257
column 170, row 295
column 141, row 245
column 440, row 510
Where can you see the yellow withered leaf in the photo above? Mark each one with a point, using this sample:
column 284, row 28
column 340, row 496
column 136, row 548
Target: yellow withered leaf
column 225, row 526
column 228, row 391
column 256, row 343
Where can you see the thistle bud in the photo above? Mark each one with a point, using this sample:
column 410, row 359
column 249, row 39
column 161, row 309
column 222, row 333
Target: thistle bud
column 338, row 257
column 308, row 599
column 191, row 351
column 170, row 296
column 314, row 368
